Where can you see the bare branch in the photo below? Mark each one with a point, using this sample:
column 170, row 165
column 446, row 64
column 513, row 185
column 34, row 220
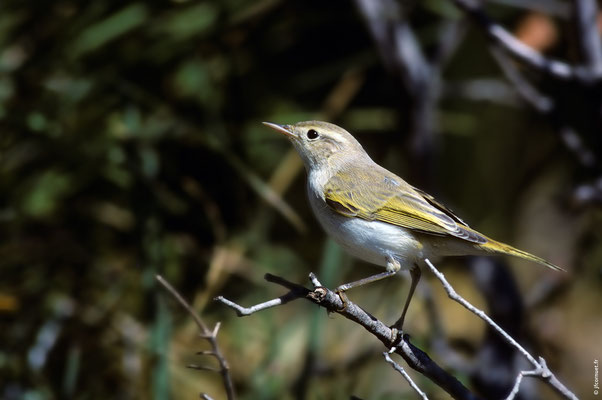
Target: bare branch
column 244, row 311
column 586, row 13
column 450, row 36
column 506, row 40
column 455, row 296
column 416, row 358
column 296, row 292
column 545, row 105
column 519, row 378
column 202, row 327
column 523, row 87
column 588, row 193
column 574, row 143
column 398, row 46
column 210, row 336
column 403, row 57
column 403, row 373
column 546, row 374
column 556, row 8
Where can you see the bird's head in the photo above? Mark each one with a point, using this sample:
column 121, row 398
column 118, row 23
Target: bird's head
column 321, row 144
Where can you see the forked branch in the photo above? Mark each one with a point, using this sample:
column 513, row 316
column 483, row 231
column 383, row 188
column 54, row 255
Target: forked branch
column 211, row 336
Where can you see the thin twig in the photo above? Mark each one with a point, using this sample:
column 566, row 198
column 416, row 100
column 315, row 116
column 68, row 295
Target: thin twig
column 403, row 373
column 449, row 40
column 244, row 311
column 210, row 336
column 202, row 368
column 202, row 327
column 545, row 373
column 519, row 378
column 296, row 292
column 455, row 296
column 523, row 87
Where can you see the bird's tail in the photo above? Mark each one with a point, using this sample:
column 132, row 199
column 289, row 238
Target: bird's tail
column 503, row 248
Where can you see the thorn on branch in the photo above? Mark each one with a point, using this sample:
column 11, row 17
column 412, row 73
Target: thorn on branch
column 202, row 368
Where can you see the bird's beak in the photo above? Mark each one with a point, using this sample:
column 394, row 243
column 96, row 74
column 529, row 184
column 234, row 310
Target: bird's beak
column 284, row 129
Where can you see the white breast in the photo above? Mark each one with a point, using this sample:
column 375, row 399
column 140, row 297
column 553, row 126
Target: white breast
column 371, row 241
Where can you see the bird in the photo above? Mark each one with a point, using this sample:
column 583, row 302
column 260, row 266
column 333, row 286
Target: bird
column 375, row 215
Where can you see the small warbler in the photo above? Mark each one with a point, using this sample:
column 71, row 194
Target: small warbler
column 377, row 216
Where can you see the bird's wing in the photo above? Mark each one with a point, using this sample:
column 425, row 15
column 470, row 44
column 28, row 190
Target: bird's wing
column 385, row 197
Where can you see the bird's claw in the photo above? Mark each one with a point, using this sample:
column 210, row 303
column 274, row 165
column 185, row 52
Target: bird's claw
column 343, row 298
column 396, row 338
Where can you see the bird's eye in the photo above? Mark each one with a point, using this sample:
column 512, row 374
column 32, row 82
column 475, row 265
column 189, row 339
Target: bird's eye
column 312, row 134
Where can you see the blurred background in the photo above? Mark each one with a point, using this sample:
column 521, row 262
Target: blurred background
column 131, row 145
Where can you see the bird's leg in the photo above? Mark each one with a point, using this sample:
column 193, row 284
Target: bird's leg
column 392, row 267
column 398, row 325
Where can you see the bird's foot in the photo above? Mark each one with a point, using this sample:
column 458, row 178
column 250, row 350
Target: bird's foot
column 395, row 336
column 341, row 292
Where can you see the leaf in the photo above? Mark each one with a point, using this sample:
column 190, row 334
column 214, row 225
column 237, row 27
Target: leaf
column 109, row 29
column 47, row 191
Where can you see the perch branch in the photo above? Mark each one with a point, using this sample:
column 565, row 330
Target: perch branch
column 210, row 336
column 320, row 295
column 416, row 358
